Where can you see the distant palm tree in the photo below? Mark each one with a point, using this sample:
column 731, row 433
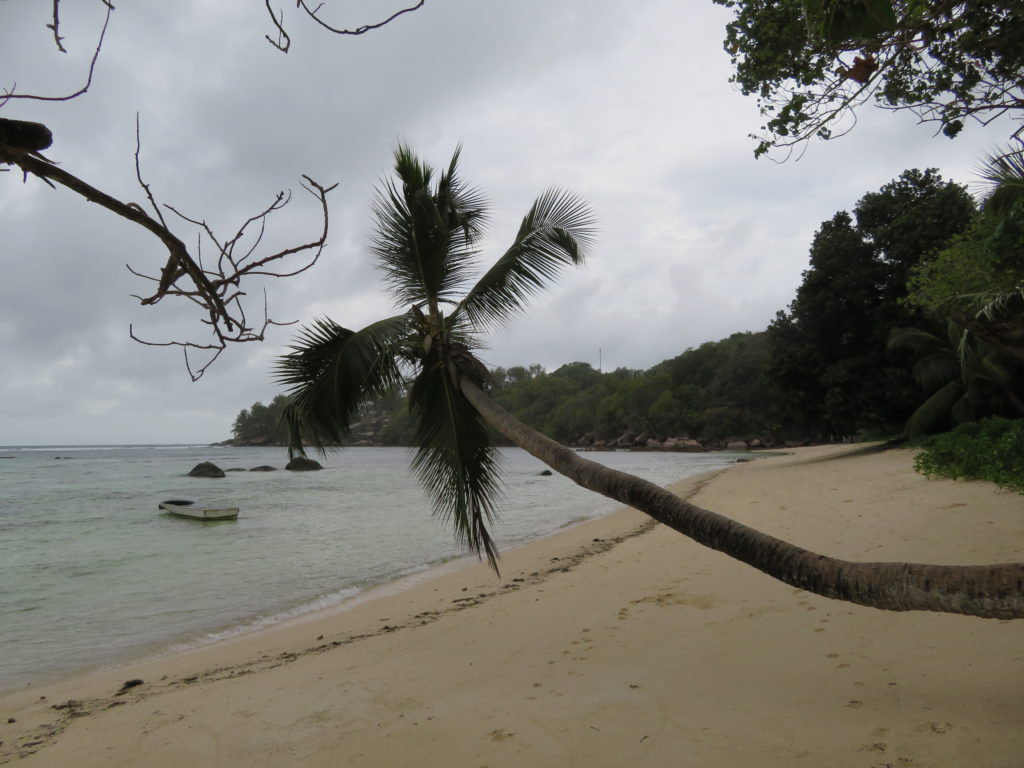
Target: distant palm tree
column 428, row 230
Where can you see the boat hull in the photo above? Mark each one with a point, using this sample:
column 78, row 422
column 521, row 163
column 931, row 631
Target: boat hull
column 199, row 511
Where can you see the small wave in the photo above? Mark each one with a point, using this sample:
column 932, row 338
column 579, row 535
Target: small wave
column 321, row 603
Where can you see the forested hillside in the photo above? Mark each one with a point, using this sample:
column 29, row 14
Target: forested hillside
column 712, row 394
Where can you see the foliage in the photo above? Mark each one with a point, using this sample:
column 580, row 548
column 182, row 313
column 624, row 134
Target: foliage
column 978, row 284
column 429, row 226
column 262, row 423
column 829, row 360
column 986, row 262
column 715, row 392
column 811, row 63
column 991, row 449
column 964, row 378
column 967, row 275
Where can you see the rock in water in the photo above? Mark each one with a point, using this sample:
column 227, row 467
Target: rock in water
column 303, row 464
column 206, row 469
column 263, row 468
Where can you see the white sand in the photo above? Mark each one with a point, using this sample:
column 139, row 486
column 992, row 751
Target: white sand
column 649, row 651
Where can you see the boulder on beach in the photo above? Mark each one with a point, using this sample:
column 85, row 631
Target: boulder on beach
column 303, row 464
column 206, row 469
column 263, row 468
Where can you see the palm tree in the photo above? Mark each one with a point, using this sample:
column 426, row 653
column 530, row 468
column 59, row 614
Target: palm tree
column 999, row 315
column 965, row 376
column 426, row 238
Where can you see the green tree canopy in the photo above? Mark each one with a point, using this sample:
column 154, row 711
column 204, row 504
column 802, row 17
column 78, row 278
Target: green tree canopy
column 811, row 63
column 829, row 358
column 262, row 423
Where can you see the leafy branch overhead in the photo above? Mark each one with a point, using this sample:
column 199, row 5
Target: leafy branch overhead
column 812, row 63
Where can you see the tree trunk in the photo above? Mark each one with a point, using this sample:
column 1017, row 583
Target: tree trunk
column 988, row 591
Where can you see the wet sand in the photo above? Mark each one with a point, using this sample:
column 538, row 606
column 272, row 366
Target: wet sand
column 616, row 642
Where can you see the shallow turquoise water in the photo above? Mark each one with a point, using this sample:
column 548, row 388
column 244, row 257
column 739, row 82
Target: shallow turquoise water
column 92, row 574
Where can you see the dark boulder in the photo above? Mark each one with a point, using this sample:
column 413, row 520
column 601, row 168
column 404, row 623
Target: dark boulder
column 263, row 468
column 303, row 464
column 206, row 469
column 545, row 473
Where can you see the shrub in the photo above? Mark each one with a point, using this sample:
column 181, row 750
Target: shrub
column 991, row 449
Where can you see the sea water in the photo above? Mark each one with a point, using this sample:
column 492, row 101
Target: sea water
column 91, row 574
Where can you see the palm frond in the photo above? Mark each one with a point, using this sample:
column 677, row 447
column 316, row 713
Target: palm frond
column 557, row 232
column 963, row 410
column 936, row 408
column 937, row 370
column 914, row 339
column 426, row 234
column 332, row 370
column 1002, row 305
column 1005, row 172
column 991, row 369
column 455, row 460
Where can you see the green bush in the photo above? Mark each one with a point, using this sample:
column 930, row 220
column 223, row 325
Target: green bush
column 991, row 449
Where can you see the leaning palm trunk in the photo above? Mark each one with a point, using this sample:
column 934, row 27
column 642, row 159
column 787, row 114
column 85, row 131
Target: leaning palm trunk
column 988, row 591
column 428, row 229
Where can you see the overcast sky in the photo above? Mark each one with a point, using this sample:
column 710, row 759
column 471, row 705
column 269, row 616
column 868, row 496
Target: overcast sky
column 626, row 103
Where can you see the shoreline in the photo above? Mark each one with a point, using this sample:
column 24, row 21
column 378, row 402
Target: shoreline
column 584, row 635
column 316, row 608
column 74, row 695
column 44, row 642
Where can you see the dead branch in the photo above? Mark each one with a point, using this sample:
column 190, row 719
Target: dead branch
column 283, row 42
column 55, row 27
column 215, row 290
column 7, row 94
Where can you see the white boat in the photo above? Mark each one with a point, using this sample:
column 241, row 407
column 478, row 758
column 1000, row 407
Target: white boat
column 196, row 510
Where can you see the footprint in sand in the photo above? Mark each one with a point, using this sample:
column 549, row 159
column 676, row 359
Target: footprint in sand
column 499, row 734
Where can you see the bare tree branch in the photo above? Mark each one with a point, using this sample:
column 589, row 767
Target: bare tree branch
column 55, row 26
column 283, row 42
column 217, row 291
column 10, row 93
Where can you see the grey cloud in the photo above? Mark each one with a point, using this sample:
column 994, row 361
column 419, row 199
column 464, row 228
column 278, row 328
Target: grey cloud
column 626, row 104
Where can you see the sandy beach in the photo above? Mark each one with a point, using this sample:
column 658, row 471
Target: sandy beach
column 613, row 643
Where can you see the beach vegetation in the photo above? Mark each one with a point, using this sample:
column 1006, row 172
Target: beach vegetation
column 429, row 226
column 964, row 377
column 975, row 285
column 829, row 361
column 991, row 449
